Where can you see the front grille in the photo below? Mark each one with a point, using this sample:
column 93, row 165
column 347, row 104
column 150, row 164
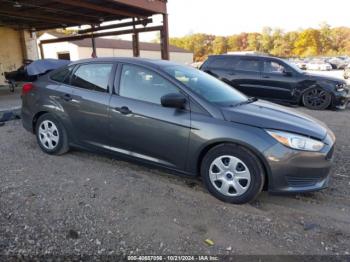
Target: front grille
column 294, row 181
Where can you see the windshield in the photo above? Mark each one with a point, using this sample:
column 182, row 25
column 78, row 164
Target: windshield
column 206, row 86
column 294, row 66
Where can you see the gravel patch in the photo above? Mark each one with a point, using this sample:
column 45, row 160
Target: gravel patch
column 83, row 203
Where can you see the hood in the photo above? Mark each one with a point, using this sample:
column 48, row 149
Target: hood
column 271, row 116
column 314, row 76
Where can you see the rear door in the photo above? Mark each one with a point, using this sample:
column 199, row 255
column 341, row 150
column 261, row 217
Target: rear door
column 221, row 67
column 62, row 92
column 90, row 97
column 140, row 126
column 246, row 76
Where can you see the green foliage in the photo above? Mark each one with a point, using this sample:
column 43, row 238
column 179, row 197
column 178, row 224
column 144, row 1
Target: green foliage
column 308, row 42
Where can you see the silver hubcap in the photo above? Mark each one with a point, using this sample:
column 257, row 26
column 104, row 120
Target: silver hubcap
column 229, row 175
column 48, row 134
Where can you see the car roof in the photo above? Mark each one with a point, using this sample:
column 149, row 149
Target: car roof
column 140, row 61
column 248, row 55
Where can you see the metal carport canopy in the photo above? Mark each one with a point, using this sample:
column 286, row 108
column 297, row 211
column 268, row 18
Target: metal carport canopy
column 39, row 15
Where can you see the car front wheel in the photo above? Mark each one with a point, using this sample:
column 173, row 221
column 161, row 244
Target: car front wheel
column 232, row 173
column 317, row 99
column 51, row 135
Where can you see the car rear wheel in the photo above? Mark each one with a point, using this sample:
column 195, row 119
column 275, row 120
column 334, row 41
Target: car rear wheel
column 317, row 99
column 232, row 173
column 51, row 135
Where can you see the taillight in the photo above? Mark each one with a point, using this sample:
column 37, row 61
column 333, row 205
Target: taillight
column 26, row 88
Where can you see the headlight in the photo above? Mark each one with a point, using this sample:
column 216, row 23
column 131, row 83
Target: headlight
column 340, row 87
column 296, row 141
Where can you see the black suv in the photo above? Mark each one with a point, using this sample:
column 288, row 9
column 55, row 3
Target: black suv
column 278, row 80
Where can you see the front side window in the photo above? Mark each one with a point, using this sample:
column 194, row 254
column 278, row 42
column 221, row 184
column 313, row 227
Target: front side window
column 142, row 84
column 206, row 86
column 248, row 65
column 92, row 76
column 272, row 67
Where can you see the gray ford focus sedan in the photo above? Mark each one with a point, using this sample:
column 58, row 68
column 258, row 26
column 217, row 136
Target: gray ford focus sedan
column 182, row 119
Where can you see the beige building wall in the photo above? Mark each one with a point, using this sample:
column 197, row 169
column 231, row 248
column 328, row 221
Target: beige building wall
column 29, row 43
column 76, row 53
column 11, row 56
column 52, row 50
column 183, row 58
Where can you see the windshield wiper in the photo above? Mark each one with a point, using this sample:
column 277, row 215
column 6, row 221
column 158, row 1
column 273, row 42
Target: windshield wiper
column 248, row 101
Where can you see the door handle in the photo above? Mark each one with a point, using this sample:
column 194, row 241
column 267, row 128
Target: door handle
column 67, row 97
column 124, row 110
column 265, row 76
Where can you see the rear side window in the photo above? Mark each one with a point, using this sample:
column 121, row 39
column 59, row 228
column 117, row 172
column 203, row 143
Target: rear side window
column 248, row 65
column 92, row 76
column 62, row 75
column 223, row 63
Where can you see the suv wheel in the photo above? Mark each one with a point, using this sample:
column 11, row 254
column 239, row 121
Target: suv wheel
column 316, row 98
column 51, row 135
column 232, row 174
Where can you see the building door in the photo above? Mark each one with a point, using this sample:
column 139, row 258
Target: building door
column 64, row 56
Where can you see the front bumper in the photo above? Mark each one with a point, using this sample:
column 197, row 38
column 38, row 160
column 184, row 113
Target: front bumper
column 293, row 171
column 341, row 99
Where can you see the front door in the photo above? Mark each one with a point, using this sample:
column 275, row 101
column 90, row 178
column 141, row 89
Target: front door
column 140, row 126
column 277, row 81
column 246, row 76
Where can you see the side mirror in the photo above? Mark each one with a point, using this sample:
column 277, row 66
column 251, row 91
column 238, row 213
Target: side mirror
column 287, row 73
column 173, row 100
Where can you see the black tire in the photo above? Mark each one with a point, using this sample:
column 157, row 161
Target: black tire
column 61, row 146
column 257, row 175
column 316, row 99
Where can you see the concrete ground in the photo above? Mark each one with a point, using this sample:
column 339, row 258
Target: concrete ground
column 9, row 100
column 90, row 204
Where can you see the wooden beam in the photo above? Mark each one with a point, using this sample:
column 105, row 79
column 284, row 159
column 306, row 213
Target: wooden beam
column 114, row 26
column 120, row 32
column 100, row 8
column 164, row 38
column 135, row 41
column 153, row 6
column 42, row 18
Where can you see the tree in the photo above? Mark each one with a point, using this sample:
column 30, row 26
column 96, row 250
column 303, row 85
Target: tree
column 308, row 43
column 233, row 43
column 302, row 43
column 219, row 45
column 266, row 40
column 254, row 42
column 325, row 38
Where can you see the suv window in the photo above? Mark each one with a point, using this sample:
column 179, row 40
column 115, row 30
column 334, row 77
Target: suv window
column 223, row 63
column 248, row 65
column 273, row 67
column 142, row 84
column 61, row 75
column 92, row 76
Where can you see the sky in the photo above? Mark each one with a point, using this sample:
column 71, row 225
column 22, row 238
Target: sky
column 226, row 17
